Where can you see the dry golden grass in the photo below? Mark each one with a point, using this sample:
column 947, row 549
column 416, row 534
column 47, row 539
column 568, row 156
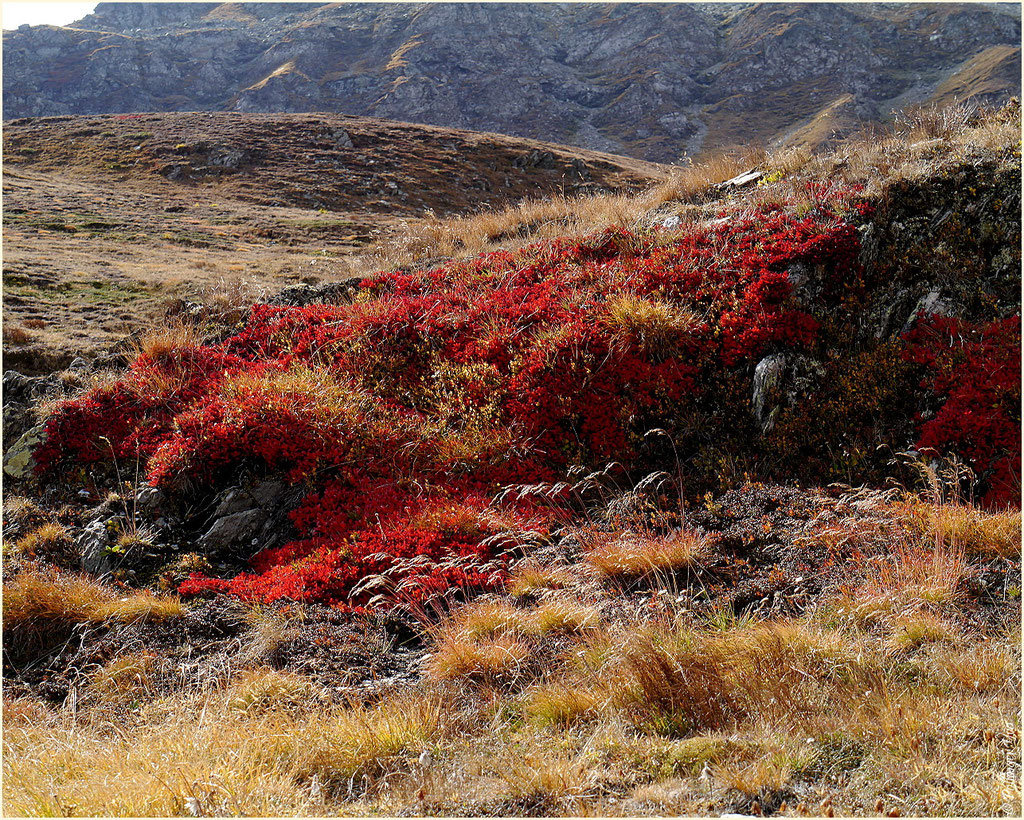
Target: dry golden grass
column 689, row 720
column 23, row 512
column 560, row 703
column 915, row 146
column 652, row 324
column 228, row 300
column 16, row 335
column 269, row 629
column 139, row 606
column 673, row 685
column 165, row 343
column 700, row 177
column 50, row 542
column 128, row 678
column 489, row 619
column 515, row 226
column 35, row 597
column 982, row 668
column 493, row 640
column 531, row 578
column 920, row 141
column 496, row 658
column 216, row 760
column 541, row 777
column 970, row 529
column 311, row 392
column 266, row 690
column 911, row 630
column 27, row 711
column 565, row 615
column 372, row 740
column 913, row 578
column 633, row 555
column 40, row 608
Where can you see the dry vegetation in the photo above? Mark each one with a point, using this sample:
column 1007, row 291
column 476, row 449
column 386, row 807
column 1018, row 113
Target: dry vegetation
column 611, row 681
column 918, row 143
column 575, row 693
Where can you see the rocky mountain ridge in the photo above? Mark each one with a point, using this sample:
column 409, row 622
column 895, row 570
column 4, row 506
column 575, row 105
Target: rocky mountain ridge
column 653, row 81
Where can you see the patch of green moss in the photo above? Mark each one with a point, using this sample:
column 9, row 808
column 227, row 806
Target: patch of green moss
column 93, row 291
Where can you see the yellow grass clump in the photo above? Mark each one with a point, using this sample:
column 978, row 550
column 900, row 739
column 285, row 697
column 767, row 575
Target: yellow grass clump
column 632, row 555
column 531, row 578
column 653, row 324
column 565, row 615
column 51, row 542
column 968, row 528
column 165, row 343
column 497, row 658
column 265, row 690
column 559, row 704
column 41, row 607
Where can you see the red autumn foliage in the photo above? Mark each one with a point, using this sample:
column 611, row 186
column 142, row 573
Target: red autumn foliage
column 404, row 411
column 975, row 369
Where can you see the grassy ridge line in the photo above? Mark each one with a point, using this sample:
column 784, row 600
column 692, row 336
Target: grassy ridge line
column 919, row 144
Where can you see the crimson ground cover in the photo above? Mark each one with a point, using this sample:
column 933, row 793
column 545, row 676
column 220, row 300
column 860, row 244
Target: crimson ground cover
column 403, row 413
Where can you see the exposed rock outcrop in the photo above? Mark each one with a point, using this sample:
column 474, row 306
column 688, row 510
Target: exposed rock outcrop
column 647, row 80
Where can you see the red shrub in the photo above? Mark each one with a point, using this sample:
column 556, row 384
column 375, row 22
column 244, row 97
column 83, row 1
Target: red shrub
column 976, row 370
column 438, row 387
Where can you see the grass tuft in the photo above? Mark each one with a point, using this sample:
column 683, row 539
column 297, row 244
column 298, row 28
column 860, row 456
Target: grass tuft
column 265, row 690
column 559, row 704
column 565, row 615
column 630, row 555
column 50, row 542
column 531, row 578
column 41, row 608
column 970, row 529
column 498, row 658
column 654, row 325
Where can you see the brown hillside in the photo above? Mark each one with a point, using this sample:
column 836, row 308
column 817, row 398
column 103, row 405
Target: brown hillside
column 317, row 160
column 108, row 219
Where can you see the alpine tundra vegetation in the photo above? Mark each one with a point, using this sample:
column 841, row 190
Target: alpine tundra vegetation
column 697, row 495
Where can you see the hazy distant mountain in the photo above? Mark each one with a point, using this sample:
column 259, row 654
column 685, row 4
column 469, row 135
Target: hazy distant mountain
column 653, row 81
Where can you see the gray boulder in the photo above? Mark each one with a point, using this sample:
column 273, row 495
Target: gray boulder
column 768, row 376
column 18, row 461
column 247, row 519
column 94, row 546
column 782, row 380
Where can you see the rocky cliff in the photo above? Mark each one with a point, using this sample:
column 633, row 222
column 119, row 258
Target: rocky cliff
column 652, row 81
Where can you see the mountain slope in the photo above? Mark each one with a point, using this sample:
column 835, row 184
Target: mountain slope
column 319, row 160
column 288, row 551
column 108, row 218
column 653, row 81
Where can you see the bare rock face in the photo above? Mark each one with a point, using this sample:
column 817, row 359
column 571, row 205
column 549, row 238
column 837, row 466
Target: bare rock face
column 248, row 519
column 655, row 81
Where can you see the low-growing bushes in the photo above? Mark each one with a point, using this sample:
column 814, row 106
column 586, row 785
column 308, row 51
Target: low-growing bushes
column 404, row 412
column 976, row 369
